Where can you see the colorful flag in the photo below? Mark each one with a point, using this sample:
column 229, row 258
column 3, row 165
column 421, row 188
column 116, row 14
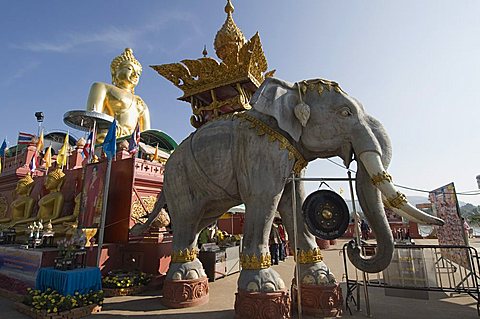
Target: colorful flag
column 110, row 142
column 63, row 153
column 40, row 143
column 33, row 163
column 25, row 138
column 3, row 148
column 134, row 140
column 88, row 149
column 48, row 157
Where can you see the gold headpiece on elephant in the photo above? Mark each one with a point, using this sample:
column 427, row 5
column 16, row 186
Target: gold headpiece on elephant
column 127, row 55
column 229, row 38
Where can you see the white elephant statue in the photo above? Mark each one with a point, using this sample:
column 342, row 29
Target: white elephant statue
column 248, row 158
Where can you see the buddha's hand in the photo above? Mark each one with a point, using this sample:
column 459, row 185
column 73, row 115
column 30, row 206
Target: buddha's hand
column 138, row 229
column 123, row 130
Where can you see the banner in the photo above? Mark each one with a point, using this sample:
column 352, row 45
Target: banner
column 92, row 194
column 445, row 204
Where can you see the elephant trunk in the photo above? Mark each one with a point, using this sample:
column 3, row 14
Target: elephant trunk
column 371, row 204
column 373, row 149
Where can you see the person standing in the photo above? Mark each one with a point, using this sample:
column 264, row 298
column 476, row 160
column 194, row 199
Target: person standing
column 365, row 230
column 283, row 241
column 274, row 242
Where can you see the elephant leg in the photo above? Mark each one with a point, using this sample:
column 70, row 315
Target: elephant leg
column 312, row 268
column 257, row 274
column 185, row 264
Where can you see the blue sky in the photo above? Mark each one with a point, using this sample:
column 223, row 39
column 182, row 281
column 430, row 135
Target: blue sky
column 414, row 65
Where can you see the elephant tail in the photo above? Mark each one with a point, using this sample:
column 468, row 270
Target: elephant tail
column 139, row 229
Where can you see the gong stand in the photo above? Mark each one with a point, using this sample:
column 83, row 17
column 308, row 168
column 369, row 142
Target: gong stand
column 326, row 216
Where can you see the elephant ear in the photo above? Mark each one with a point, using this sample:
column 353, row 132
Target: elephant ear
column 278, row 99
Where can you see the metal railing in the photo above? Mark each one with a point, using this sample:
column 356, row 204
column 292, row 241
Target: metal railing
column 443, row 268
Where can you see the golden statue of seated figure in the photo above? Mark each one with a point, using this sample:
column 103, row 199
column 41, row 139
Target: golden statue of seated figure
column 50, row 205
column 119, row 100
column 67, row 225
column 22, row 206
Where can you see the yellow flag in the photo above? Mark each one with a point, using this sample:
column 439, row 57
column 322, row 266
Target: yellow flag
column 63, row 153
column 40, row 143
column 48, row 157
column 155, row 156
column 0, row 165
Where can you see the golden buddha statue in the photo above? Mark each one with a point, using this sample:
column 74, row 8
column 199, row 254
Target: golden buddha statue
column 68, row 225
column 118, row 100
column 22, row 206
column 50, row 205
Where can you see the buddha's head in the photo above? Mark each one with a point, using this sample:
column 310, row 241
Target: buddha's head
column 126, row 70
column 54, row 180
column 24, row 185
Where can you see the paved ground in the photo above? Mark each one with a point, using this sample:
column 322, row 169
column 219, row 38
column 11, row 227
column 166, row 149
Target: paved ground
column 222, row 298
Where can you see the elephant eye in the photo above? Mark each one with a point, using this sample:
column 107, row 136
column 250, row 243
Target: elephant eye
column 345, row 112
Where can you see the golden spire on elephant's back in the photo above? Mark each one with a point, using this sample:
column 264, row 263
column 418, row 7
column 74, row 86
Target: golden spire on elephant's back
column 214, row 88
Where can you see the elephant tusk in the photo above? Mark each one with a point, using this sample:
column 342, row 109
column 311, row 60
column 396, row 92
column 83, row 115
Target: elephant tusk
column 383, row 181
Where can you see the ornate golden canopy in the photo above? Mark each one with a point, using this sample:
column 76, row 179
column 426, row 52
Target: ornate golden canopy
column 214, row 88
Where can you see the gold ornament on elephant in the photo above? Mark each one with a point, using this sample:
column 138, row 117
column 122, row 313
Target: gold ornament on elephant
column 183, row 256
column 264, row 129
column 214, row 88
column 397, row 201
column 254, row 262
column 381, row 178
column 310, row 256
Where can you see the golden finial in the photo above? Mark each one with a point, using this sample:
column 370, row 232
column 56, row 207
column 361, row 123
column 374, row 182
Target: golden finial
column 205, row 52
column 229, row 8
column 229, row 38
column 127, row 55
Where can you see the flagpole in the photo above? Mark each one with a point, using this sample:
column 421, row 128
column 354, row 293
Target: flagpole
column 106, row 188
column 91, row 152
column 16, row 152
column 111, row 140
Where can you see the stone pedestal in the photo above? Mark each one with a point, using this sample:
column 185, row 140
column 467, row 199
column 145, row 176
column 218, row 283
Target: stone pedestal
column 185, row 293
column 319, row 301
column 262, row 305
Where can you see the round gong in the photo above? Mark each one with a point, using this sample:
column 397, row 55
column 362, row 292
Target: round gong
column 326, row 214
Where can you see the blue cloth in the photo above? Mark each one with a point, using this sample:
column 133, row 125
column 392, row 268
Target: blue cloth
column 110, row 141
column 68, row 282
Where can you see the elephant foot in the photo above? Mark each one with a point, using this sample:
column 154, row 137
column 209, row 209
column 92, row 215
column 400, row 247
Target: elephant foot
column 186, row 271
column 260, row 280
column 262, row 305
column 185, row 293
column 319, row 300
column 316, row 274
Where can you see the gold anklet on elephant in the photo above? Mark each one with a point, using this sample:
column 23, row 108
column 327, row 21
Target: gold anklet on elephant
column 183, row 256
column 310, row 256
column 253, row 262
column 264, row 129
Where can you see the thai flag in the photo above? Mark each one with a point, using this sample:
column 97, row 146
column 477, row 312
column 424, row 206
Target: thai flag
column 134, row 140
column 25, row 138
column 88, row 149
column 33, row 163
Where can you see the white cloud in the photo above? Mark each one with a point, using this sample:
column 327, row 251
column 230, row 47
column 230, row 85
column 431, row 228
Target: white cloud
column 110, row 36
column 20, row 73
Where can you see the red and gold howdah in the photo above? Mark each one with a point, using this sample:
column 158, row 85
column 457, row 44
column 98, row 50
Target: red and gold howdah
column 214, row 88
